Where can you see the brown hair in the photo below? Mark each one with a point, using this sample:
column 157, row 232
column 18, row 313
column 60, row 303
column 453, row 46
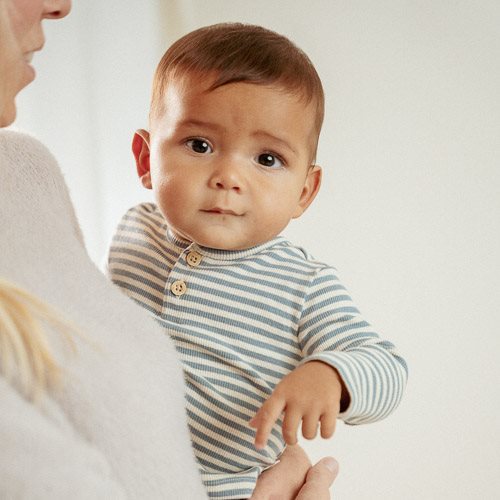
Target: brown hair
column 235, row 52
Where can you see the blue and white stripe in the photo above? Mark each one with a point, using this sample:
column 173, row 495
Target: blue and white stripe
column 247, row 319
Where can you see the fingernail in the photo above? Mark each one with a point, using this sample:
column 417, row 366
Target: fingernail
column 331, row 464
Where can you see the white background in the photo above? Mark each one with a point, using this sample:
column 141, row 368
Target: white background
column 409, row 210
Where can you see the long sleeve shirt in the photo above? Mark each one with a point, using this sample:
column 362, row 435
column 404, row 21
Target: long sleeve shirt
column 242, row 320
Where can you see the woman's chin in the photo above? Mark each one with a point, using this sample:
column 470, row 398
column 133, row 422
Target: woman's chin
column 28, row 75
column 8, row 114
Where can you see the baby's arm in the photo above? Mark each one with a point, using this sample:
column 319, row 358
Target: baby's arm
column 332, row 330
column 344, row 359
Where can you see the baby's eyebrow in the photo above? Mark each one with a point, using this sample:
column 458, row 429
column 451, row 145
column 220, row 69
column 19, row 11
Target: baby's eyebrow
column 192, row 123
column 267, row 135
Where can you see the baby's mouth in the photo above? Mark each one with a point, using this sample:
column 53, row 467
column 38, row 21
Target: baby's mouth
column 221, row 211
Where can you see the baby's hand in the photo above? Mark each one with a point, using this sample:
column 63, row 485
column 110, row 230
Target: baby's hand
column 311, row 393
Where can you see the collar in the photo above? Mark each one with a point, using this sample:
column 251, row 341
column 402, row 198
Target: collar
column 223, row 255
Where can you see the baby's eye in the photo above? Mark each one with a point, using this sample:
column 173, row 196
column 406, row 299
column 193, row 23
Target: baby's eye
column 199, row 146
column 270, row 160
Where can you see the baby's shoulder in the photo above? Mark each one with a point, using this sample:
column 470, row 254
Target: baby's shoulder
column 300, row 258
column 144, row 208
column 144, row 214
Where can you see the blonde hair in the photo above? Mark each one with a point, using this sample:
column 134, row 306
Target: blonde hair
column 25, row 355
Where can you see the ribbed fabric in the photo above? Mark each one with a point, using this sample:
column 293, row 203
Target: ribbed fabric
column 241, row 321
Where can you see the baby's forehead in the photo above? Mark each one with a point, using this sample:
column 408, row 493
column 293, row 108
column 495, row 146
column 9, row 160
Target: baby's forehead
column 188, row 87
column 257, row 100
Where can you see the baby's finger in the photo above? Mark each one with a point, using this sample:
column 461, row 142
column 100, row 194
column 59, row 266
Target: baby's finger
column 310, row 426
column 328, row 423
column 265, row 419
column 291, row 423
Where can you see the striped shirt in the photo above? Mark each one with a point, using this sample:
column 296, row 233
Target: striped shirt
column 241, row 320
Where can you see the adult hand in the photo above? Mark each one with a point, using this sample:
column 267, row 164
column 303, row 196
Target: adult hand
column 294, row 478
column 318, row 480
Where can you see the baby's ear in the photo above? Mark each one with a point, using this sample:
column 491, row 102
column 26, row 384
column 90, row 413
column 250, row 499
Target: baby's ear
column 309, row 191
column 140, row 148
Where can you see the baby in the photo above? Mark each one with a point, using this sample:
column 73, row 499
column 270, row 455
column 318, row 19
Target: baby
column 269, row 338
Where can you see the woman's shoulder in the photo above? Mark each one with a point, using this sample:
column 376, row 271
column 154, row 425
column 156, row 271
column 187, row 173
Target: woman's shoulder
column 11, row 138
column 33, row 187
column 21, row 147
column 25, row 163
column 23, row 159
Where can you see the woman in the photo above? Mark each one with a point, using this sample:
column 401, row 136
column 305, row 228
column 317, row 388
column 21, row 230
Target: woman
column 90, row 408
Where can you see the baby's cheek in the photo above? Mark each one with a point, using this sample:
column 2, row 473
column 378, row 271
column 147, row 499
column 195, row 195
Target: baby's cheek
column 168, row 192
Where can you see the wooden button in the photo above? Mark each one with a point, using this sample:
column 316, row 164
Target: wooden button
column 178, row 288
column 193, row 258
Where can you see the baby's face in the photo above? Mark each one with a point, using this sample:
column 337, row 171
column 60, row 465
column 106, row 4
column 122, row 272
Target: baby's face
column 230, row 167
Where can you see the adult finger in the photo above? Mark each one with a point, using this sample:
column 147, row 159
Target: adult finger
column 318, row 480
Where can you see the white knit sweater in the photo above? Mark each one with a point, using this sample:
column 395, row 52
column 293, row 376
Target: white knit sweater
column 117, row 428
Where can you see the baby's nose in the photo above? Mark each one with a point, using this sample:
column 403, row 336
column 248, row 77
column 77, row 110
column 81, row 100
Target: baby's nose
column 227, row 177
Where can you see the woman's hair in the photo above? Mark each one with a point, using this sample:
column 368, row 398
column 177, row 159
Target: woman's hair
column 235, row 52
column 25, row 355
